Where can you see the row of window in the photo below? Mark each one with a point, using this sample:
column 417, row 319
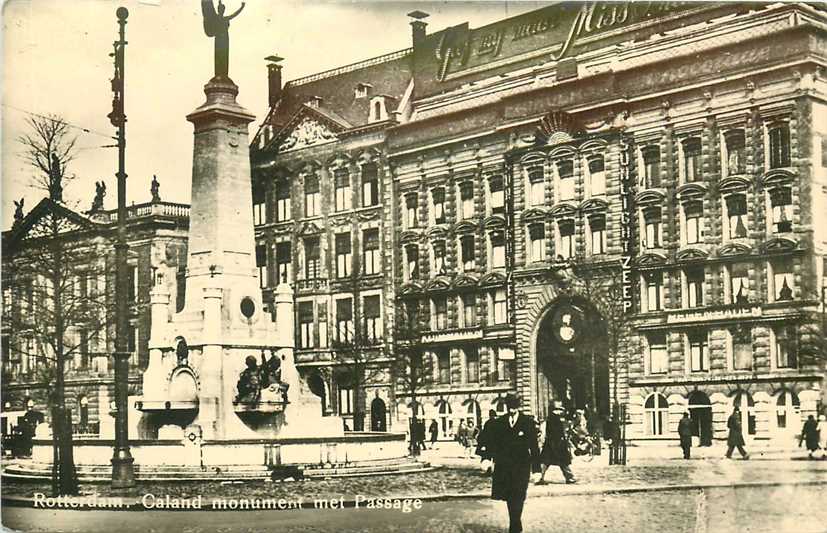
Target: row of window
column 465, row 309
column 465, row 366
column 342, row 194
column 739, row 350
column 312, row 315
column 735, row 278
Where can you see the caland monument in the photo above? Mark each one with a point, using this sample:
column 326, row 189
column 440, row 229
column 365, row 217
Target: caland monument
column 223, row 368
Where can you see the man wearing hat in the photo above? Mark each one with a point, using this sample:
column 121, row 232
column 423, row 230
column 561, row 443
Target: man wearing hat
column 513, row 444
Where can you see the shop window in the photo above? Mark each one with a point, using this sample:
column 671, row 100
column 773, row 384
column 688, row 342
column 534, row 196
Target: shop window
column 787, row 409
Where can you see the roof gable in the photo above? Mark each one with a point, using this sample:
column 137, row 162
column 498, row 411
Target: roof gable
column 47, row 217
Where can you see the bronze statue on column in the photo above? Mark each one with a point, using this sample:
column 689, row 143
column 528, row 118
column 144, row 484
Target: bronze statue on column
column 218, row 26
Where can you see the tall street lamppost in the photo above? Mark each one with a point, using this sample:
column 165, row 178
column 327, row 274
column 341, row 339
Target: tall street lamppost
column 123, row 474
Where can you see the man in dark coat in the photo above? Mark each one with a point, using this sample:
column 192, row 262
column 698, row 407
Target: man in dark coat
column 483, row 442
column 735, row 439
column 810, row 435
column 556, row 446
column 513, row 446
column 685, row 434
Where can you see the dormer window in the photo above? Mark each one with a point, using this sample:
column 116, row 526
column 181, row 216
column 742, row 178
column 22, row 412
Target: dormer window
column 378, row 111
column 362, row 90
column 315, row 102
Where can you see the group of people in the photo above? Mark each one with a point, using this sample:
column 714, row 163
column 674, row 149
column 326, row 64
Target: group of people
column 814, row 434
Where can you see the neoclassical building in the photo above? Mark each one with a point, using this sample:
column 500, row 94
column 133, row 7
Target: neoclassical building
column 600, row 203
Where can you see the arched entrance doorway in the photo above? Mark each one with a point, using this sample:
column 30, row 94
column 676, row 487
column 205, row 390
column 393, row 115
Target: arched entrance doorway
column 700, row 411
column 572, row 359
column 317, row 386
column 378, row 415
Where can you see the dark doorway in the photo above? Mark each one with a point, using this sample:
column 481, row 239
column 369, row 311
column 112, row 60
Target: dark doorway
column 572, row 360
column 317, row 386
column 378, row 415
column 700, row 412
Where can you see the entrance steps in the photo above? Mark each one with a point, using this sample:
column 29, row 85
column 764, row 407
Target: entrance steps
column 28, row 470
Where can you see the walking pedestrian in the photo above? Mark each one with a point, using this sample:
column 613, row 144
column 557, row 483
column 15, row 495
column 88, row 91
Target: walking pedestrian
column 483, row 447
column 809, row 434
column 685, row 434
column 462, row 435
column 433, row 429
column 420, row 434
column 556, row 446
column 470, row 444
column 822, row 432
column 513, row 444
column 735, row 439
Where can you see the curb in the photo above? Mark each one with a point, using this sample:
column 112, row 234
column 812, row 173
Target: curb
column 135, row 504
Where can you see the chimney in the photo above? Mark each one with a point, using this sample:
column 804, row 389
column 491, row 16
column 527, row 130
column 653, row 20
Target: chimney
column 273, row 79
column 418, row 26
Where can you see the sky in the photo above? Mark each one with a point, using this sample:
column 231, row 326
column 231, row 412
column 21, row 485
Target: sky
column 55, row 61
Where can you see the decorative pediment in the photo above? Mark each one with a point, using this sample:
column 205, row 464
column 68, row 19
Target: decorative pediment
column 651, row 259
column 534, row 213
column 691, row 191
column 650, row 196
column 438, row 284
column 437, row 232
column 733, row 185
column 777, row 177
column 464, row 281
column 309, row 228
column 410, row 289
column 492, row 279
column 409, row 236
column 558, row 127
column 734, row 249
column 306, row 133
column 563, row 210
column 778, row 244
column 593, row 205
column 45, row 217
column 494, row 222
column 465, row 226
column 691, row 254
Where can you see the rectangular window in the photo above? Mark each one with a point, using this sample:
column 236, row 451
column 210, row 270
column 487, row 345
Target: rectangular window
column 698, row 352
column 412, row 262
column 779, row 150
column 439, row 257
column 322, row 311
column 312, row 197
column 565, row 177
column 411, row 211
column 440, row 318
column 444, row 364
column 537, row 242
column 345, row 400
column 658, row 356
column 652, row 227
column 736, row 157
column 597, row 176
column 132, row 344
column 653, row 290
column 537, row 187
column 438, row 201
column 372, row 259
column 497, row 239
column 370, row 185
column 312, row 258
column 261, row 264
column 343, row 255
column 738, row 284
column 501, row 363
column 373, row 320
column 565, row 246
column 500, row 306
column 737, row 215
column 782, row 209
column 786, row 347
column 741, row 348
column 282, row 201
column 651, row 167
column 472, row 365
column 83, row 348
column 782, row 280
column 692, row 160
column 469, row 309
column 305, row 312
column 496, row 195
column 284, row 262
column 344, row 321
column 132, row 283
column 597, row 227
column 693, row 211
column 259, row 207
column 466, row 194
column 341, row 180
column 694, row 296
column 466, row 245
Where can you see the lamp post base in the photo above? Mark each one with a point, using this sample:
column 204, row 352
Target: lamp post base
column 123, row 471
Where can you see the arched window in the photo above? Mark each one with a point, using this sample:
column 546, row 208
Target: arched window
column 743, row 400
column 787, row 409
column 473, row 417
column 656, row 413
column 446, row 425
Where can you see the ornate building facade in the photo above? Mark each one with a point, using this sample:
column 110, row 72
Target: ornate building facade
column 601, row 204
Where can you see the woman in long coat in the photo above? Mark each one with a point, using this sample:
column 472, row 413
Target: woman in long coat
column 809, row 434
column 556, row 447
